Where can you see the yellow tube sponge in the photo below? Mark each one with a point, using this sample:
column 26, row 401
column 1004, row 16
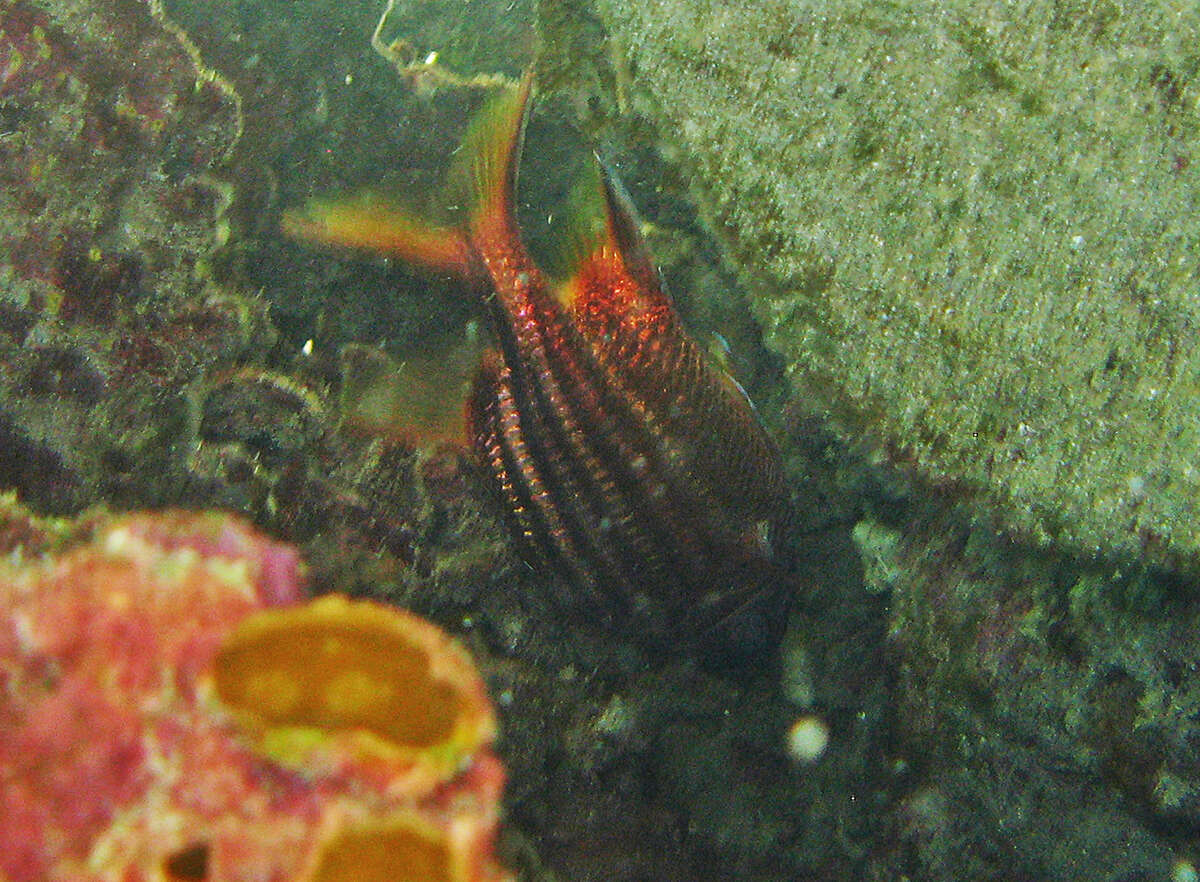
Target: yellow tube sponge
column 357, row 686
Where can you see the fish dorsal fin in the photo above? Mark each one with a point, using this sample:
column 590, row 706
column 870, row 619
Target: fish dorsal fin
column 611, row 268
column 483, row 176
column 582, row 237
column 623, row 228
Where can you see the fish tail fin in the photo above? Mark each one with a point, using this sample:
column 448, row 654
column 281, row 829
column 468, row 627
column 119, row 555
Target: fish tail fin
column 482, row 178
column 484, row 174
column 370, row 223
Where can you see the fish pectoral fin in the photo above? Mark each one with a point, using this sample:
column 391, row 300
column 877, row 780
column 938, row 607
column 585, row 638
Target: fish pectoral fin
column 419, row 400
column 369, row 223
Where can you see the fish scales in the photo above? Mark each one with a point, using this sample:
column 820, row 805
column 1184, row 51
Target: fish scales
column 626, row 506
column 650, row 355
column 534, row 522
column 577, row 447
column 556, row 457
column 577, row 421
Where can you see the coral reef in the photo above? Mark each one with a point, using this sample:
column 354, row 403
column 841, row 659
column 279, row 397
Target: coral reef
column 971, row 230
column 139, row 365
column 1044, row 703
column 338, row 682
column 161, row 662
column 108, row 211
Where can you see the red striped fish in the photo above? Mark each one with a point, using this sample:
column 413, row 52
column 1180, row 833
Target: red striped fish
column 631, row 467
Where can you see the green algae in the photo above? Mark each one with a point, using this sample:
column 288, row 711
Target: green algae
column 970, row 232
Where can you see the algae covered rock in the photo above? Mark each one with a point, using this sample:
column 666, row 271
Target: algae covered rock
column 971, row 228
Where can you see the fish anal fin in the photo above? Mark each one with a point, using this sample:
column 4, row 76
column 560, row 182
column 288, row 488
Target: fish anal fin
column 419, row 400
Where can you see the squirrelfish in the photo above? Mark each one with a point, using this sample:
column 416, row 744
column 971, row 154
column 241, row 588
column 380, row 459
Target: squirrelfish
column 630, row 466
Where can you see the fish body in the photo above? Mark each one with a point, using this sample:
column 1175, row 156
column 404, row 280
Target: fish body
column 629, row 465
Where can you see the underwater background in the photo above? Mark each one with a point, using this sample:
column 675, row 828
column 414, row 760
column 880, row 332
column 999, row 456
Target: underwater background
column 949, row 250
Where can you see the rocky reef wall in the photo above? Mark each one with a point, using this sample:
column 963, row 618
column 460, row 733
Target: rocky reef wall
column 970, row 229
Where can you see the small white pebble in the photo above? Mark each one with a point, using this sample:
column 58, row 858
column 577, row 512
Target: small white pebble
column 807, row 739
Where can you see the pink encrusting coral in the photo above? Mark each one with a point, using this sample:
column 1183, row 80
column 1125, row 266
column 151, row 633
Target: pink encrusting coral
column 146, row 731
